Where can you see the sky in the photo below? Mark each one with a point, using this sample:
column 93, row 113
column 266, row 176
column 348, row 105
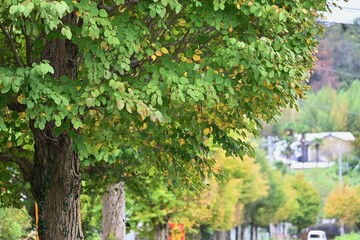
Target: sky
column 350, row 11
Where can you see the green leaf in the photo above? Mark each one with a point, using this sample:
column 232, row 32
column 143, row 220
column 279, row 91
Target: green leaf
column 57, row 121
column 68, row 34
column 219, row 80
column 183, row 80
column 152, row 171
column 90, row 102
column 291, row 73
column 120, row 104
column 103, row 13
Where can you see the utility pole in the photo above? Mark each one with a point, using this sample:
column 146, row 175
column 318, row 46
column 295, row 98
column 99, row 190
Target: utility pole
column 340, row 187
column 340, row 170
column 270, row 149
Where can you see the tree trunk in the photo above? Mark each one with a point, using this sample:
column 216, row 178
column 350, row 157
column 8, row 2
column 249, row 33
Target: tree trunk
column 237, row 232
column 251, row 231
column 56, row 178
column 161, row 232
column 256, row 232
column 242, row 231
column 204, row 233
column 56, row 185
column 222, row 235
column 113, row 212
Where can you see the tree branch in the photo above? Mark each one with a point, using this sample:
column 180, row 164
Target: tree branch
column 24, row 164
column 16, row 106
column 12, row 46
column 29, row 45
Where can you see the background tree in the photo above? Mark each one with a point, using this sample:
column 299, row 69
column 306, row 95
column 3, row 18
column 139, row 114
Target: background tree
column 246, row 184
column 308, row 200
column 279, row 205
column 344, row 205
column 87, row 76
column 220, row 207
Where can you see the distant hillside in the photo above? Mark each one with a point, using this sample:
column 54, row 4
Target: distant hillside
column 338, row 57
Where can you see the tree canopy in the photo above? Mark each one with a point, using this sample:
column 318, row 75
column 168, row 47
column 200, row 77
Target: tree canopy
column 142, row 84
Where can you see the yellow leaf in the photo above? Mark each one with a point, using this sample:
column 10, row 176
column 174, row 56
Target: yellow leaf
column 122, row 9
column 9, row 145
column 22, row 115
column 304, row 11
column 181, row 141
column 196, row 57
column 98, row 146
column 250, row 3
column 158, row 53
column 20, row 98
column 144, row 126
column 198, row 51
column 152, row 143
column 183, row 58
column 207, row 131
column 164, row 50
column 153, row 57
column 182, row 22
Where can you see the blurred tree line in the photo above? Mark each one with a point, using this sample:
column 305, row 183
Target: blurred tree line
column 338, row 63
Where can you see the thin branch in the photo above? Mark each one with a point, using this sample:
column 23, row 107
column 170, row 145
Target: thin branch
column 16, row 106
column 211, row 38
column 24, row 164
column 29, row 44
column 12, row 46
column 108, row 8
column 181, row 41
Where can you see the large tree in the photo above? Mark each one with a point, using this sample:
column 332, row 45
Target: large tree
column 344, row 205
column 88, row 82
column 308, row 200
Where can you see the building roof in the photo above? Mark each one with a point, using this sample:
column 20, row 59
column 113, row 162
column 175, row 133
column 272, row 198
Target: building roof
column 345, row 136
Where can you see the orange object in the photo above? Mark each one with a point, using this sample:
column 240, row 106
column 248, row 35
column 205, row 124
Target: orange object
column 177, row 231
column 37, row 221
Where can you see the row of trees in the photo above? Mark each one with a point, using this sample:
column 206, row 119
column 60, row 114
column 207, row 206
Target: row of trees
column 329, row 109
column 99, row 93
column 251, row 194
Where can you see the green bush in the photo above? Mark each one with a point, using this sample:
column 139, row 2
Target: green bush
column 14, row 225
column 351, row 236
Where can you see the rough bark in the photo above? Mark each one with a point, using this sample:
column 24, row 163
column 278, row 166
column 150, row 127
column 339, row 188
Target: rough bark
column 56, row 186
column 113, row 222
column 222, row 235
column 56, row 178
column 161, row 232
